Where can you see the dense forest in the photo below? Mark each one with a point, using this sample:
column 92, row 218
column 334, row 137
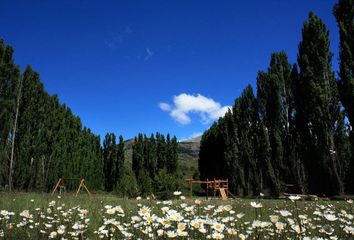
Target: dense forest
column 41, row 140
column 295, row 134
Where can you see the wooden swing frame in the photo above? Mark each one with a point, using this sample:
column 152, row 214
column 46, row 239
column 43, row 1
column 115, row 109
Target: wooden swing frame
column 61, row 184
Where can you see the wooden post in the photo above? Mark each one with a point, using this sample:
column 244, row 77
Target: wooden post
column 56, row 186
column 78, row 190
column 190, row 188
column 214, row 186
column 227, row 187
column 88, row 192
column 207, row 191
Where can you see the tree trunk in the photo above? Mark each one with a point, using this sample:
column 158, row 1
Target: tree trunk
column 14, row 135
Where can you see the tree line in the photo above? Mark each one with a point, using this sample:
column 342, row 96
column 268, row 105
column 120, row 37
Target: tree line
column 155, row 163
column 296, row 133
column 41, row 140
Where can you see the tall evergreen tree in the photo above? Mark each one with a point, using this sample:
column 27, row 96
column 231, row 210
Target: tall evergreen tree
column 246, row 115
column 172, row 161
column 344, row 13
column 9, row 82
column 138, row 154
column 317, row 109
column 232, row 165
column 161, row 151
column 109, row 158
column 120, row 158
column 30, row 129
column 276, row 108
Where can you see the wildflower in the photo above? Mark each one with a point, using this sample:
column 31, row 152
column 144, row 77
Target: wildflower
column 242, row 236
column 280, row 226
column 274, row 218
column 330, row 217
column 231, row 231
column 218, row 227
column 296, row 228
column 110, row 211
column 177, row 193
column 26, row 214
column 240, row 215
column 160, row 232
column 256, row 205
column 294, row 198
column 181, row 226
column 256, row 224
column 195, row 223
column 182, row 233
column 165, row 209
column 171, row 234
column 285, row 213
column 327, row 229
column 144, row 211
column 53, row 234
column 149, row 218
column 61, row 230
column 217, row 235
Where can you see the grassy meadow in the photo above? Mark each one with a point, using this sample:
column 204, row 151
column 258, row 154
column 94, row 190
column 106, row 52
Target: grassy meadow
column 42, row 216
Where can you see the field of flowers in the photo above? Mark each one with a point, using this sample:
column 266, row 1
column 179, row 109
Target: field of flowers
column 39, row 216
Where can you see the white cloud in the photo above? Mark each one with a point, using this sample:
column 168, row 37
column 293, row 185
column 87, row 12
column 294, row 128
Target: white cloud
column 185, row 104
column 165, row 107
column 149, row 54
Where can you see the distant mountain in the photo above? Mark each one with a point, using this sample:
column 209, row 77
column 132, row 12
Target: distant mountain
column 188, row 151
column 194, row 140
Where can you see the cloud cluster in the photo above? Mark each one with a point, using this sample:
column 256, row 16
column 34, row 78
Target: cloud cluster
column 185, row 104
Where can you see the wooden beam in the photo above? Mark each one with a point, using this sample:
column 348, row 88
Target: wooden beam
column 56, row 186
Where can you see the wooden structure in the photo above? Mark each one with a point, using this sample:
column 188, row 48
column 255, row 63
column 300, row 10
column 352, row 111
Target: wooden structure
column 220, row 187
column 61, row 186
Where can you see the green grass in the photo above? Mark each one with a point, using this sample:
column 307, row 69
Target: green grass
column 17, row 202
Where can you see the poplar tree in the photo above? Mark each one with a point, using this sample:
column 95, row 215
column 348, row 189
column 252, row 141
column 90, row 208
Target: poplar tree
column 9, row 82
column 317, row 109
column 344, row 13
column 120, row 159
column 245, row 114
column 109, row 158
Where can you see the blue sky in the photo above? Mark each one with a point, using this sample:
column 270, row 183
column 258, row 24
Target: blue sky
column 145, row 66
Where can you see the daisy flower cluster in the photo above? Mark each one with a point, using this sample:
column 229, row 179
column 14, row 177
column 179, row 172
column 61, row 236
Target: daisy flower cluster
column 184, row 219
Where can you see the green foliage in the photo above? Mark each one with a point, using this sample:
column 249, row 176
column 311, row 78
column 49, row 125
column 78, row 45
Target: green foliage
column 113, row 159
column 127, row 184
column 150, row 155
column 294, row 135
column 50, row 141
column 165, row 184
column 344, row 13
column 9, row 82
column 145, row 183
column 317, row 109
